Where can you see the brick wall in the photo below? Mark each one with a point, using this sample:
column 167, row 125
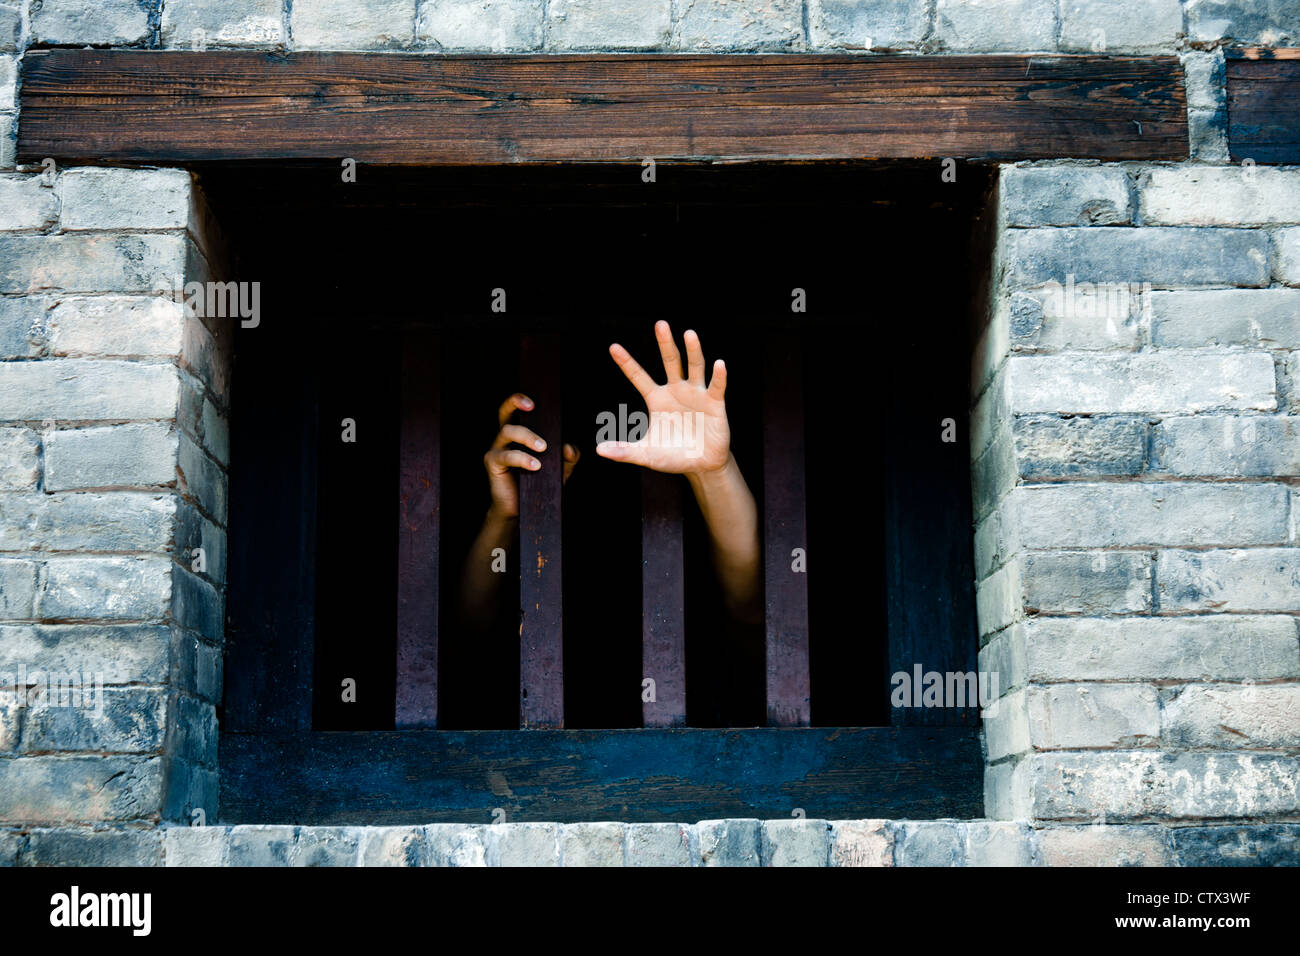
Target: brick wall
column 1134, row 474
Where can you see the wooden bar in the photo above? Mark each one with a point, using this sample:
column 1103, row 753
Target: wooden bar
column 1264, row 105
column 173, row 106
column 663, row 600
column 417, row 542
column 785, row 530
column 541, row 605
column 634, row 775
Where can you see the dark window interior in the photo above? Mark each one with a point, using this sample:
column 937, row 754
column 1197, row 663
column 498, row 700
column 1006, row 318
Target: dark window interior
column 885, row 255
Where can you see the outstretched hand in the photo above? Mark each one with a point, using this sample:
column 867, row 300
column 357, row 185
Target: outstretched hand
column 688, row 431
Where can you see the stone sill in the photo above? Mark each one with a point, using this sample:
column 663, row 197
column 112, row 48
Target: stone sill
column 737, row 842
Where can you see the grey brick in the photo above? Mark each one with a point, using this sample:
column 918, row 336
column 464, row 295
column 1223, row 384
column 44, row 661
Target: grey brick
column 256, row 845
column 1254, row 579
column 12, row 704
column 659, row 844
column 729, row 842
column 8, row 83
column 86, row 390
column 800, row 842
column 1120, row 26
column 456, row 844
column 1229, row 446
column 1223, row 647
column 1100, row 515
column 194, row 731
column 86, row 262
column 8, row 139
column 1084, row 315
column 929, row 843
column 102, row 22
column 122, row 720
column 1266, row 22
column 11, row 27
column 1265, row 318
column 523, row 844
column 861, row 843
column 1228, row 717
column 78, row 847
column 345, row 25
column 1114, row 845
column 327, row 846
column 866, row 24
column 999, row 599
column 17, row 589
column 106, row 198
column 19, row 459
column 11, row 842
column 1287, row 267
column 129, row 454
column 1207, row 135
column 219, row 23
column 202, row 478
column 739, row 25
column 1085, row 716
column 392, row 846
column 999, row 843
column 105, row 588
column 605, row 24
column 1087, row 582
column 26, row 202
column 195, row 846
column 22, row 326
column 197, row 605
column 1051, row 447
column 1219, row 195
column 215, row 433
column 1129, row 785
column 1289, row 388
column 116, row 325
column 592, row 844
column 1065, row 195
column 1164, row 257
column 58, row 790
column 496, row 25
column 997, row 538
column 193, row 531
column 1006, row 726
column 123, row 653
column 993, row 474
column 86, row 521
column 988, row 26
column 1164, row 381
column 206, row 355
column 1261, row 844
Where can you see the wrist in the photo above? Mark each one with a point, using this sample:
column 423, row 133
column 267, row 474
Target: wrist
column 720, row 475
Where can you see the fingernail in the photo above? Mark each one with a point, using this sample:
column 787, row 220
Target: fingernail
column 534, row 464
column 540, row 444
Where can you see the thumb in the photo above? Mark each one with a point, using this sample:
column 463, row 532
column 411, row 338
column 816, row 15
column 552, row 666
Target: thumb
column 633, row 453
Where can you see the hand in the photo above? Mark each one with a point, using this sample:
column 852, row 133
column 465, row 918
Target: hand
column 501, row 458
column 688, row 431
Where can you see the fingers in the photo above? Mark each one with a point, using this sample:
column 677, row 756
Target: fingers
column 640, row 380
column 718, row 385
column 517, row 400
column 668, row 349
column 627, row 451
column 694, row 358
column 499, row 460
column 571, row 456
column 519, row 435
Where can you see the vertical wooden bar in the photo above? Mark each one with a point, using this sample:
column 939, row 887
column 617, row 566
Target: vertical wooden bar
column 417, row 541
column 785, row 535
column 541, row 634
column 663, row 601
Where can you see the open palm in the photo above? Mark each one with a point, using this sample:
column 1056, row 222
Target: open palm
column 688, row 430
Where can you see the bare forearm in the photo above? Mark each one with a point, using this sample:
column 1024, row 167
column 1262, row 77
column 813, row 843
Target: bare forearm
column 732, row 518
column 480, row 583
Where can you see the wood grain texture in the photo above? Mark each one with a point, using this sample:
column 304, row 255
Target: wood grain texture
column 663, row 600
column 1264, row 105
column 417, row 535
column 574, row 775
column 541, row 594
column 785, row 522
column 178, row 107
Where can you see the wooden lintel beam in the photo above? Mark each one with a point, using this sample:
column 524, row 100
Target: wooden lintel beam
column 177, row 107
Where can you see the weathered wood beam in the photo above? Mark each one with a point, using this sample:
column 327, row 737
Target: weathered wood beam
column 1264, row 105
column 180, row 107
